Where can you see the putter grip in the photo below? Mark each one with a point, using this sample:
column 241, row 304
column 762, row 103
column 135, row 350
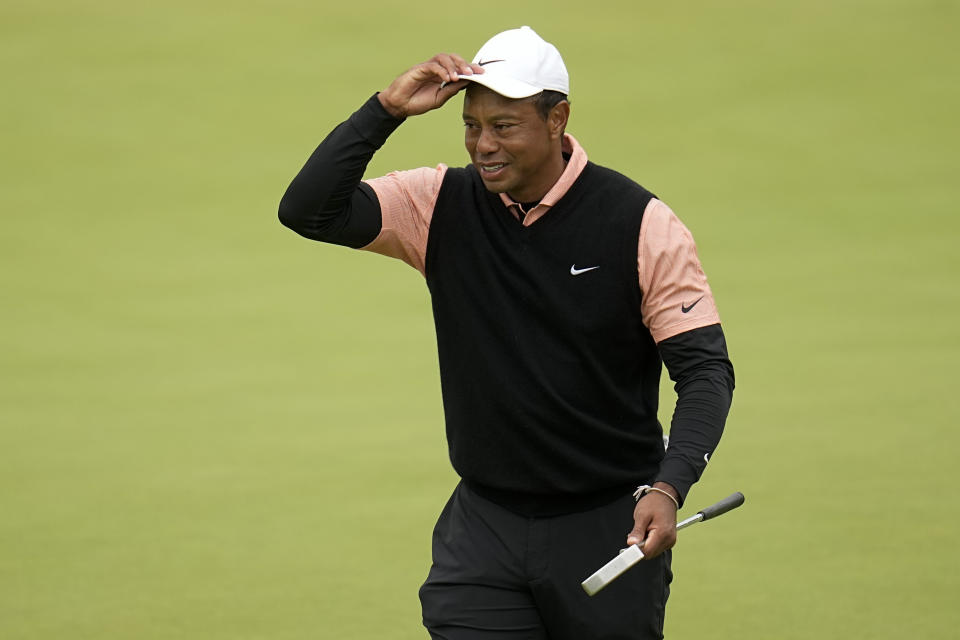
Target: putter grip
column 727, row 504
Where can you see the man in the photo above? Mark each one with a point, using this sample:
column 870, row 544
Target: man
column 557, row 286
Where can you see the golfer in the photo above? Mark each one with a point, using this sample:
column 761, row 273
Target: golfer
column 559, row 287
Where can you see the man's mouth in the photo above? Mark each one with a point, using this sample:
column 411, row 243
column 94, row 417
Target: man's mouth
column 489, row 169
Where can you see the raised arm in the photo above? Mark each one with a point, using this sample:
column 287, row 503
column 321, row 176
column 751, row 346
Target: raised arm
column 327, row 201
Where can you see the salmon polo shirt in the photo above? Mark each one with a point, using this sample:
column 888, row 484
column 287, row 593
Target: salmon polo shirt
column 676, row 295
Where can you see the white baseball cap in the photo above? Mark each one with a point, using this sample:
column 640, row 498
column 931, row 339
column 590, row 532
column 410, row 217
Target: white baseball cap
column 518, row 64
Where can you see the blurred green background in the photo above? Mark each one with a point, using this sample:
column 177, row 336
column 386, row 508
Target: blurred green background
column 212, row 428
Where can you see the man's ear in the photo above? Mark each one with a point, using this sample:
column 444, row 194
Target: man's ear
column 557, row 119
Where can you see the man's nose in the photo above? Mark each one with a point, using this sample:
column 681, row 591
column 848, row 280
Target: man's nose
column 486, row 143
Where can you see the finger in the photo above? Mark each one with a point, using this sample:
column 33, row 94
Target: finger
column 658, row 541
column 433, row 69
column 449, row 89
column 449, row 64
column 639, row 532
column 463, row 66
column 653, row 546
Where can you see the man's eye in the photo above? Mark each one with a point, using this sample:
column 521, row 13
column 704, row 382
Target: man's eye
column 469, row 125
column 500, row 126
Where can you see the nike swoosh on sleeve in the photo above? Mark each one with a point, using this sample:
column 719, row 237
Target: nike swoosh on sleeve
column 685, row 309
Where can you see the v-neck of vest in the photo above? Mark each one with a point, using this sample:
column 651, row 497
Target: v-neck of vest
column 557, row 208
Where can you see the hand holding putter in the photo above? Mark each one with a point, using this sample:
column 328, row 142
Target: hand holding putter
column 633, row 554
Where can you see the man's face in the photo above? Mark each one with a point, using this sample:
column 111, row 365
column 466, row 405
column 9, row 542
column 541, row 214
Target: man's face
column 513, row 148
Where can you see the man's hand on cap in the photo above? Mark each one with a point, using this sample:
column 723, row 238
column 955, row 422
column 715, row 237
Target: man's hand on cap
column 427, row 86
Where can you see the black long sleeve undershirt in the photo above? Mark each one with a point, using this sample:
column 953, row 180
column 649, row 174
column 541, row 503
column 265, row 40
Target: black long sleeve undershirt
column 698, row 364
column 327, row 201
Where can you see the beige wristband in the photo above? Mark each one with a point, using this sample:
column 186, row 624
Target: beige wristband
column 644, row 489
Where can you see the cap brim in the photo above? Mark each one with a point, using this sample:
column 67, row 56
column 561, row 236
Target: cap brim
column 504, row 85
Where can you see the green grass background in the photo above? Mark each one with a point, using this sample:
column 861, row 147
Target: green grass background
column 211, row 428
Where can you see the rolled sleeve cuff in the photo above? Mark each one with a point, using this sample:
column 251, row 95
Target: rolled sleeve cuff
column 680, row 475
column 373, row 122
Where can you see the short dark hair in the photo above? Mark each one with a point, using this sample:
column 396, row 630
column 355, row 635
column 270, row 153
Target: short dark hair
column 547, row 100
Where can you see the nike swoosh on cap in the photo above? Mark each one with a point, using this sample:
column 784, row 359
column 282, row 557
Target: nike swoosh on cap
column 489, row 62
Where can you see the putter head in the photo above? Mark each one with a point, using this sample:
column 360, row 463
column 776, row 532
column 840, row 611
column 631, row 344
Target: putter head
column 612, row 570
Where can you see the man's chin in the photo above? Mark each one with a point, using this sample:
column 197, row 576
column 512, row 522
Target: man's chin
column 495, row 185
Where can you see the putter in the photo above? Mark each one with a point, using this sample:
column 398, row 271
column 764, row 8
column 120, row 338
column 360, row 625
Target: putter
column 632, row 554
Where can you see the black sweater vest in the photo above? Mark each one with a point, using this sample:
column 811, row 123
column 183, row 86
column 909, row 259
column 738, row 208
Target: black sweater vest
column 550, row 380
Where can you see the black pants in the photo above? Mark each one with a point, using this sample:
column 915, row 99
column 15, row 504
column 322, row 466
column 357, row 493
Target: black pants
column 497, row 574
